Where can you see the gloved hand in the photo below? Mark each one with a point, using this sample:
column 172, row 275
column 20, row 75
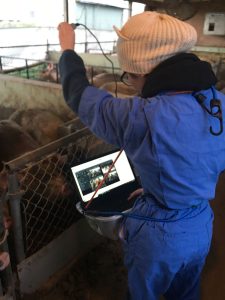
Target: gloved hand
column 135, row 194
column 66, row 36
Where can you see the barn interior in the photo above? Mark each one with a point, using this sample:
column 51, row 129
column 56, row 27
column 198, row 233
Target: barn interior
column 54, row 253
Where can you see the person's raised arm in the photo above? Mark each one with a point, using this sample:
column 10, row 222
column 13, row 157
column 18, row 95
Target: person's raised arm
column 106, row 116
column 71, row 68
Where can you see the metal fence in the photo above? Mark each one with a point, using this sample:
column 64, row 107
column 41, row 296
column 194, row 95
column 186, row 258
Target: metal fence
column 41, row 194
column 43, row 70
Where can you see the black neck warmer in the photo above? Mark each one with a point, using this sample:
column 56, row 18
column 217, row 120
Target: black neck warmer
column 182, row 72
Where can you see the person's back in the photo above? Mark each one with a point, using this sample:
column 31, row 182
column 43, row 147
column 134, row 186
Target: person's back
column 173, row 134
column 173, row 151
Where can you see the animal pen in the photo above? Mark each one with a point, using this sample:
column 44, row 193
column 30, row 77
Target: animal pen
column 47, row 231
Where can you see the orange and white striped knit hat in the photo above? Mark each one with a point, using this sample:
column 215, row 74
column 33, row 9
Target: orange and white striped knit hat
column 149, row 38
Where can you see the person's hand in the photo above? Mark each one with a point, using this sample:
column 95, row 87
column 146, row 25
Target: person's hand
column 135, row 194
column 66, row 36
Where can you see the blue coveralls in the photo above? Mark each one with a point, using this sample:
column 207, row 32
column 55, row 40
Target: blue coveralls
column 168, row 141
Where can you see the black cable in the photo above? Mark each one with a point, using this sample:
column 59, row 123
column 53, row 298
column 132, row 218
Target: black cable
column 75, row 25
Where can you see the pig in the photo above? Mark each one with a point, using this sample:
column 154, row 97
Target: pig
column 41, row 124
column 41, row 181
column 46, row 198
column 50, row 74
column 47, row 193
column 14, row 141
column 93, row 71
column 220, row 85
column 5, row 112
column 123, row 91
column 44, row 180
column 100, row 79
column 71, row 126
column 48, row 202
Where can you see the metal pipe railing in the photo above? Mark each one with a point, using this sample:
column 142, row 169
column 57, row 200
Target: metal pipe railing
column 43, row 45
column 21, row 161
column 14, row 197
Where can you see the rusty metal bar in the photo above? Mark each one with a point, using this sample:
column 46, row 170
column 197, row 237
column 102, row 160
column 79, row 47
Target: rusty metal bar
column 86, row 47
column 44, row 150
column 22, row 68
column 26, row 46
column 27, row 68
column 57, row 73
column 50, row 44
column 9, row 280
column 1, row 64
column 14, row 196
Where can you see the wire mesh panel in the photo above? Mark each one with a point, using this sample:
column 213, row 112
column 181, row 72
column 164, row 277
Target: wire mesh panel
column 47, row 203
column 48, row 191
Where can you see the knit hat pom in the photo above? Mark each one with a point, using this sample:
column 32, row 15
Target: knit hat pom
column 149, row 38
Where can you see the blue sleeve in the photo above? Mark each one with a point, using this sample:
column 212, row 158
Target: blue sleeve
column 110, row 118
column 73, row 78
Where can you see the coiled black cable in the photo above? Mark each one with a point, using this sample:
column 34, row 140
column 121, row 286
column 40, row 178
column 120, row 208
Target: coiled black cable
column 75, row 25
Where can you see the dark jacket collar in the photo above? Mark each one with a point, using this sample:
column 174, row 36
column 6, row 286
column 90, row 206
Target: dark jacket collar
column 182, row 72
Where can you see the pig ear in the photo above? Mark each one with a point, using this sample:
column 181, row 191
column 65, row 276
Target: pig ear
column 119, row 33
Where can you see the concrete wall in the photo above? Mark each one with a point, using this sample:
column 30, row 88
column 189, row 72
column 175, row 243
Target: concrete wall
column 91, row 59
column 20, row 93
column 23, row 94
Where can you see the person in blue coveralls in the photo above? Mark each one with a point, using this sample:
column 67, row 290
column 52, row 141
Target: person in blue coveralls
column 172, row 133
